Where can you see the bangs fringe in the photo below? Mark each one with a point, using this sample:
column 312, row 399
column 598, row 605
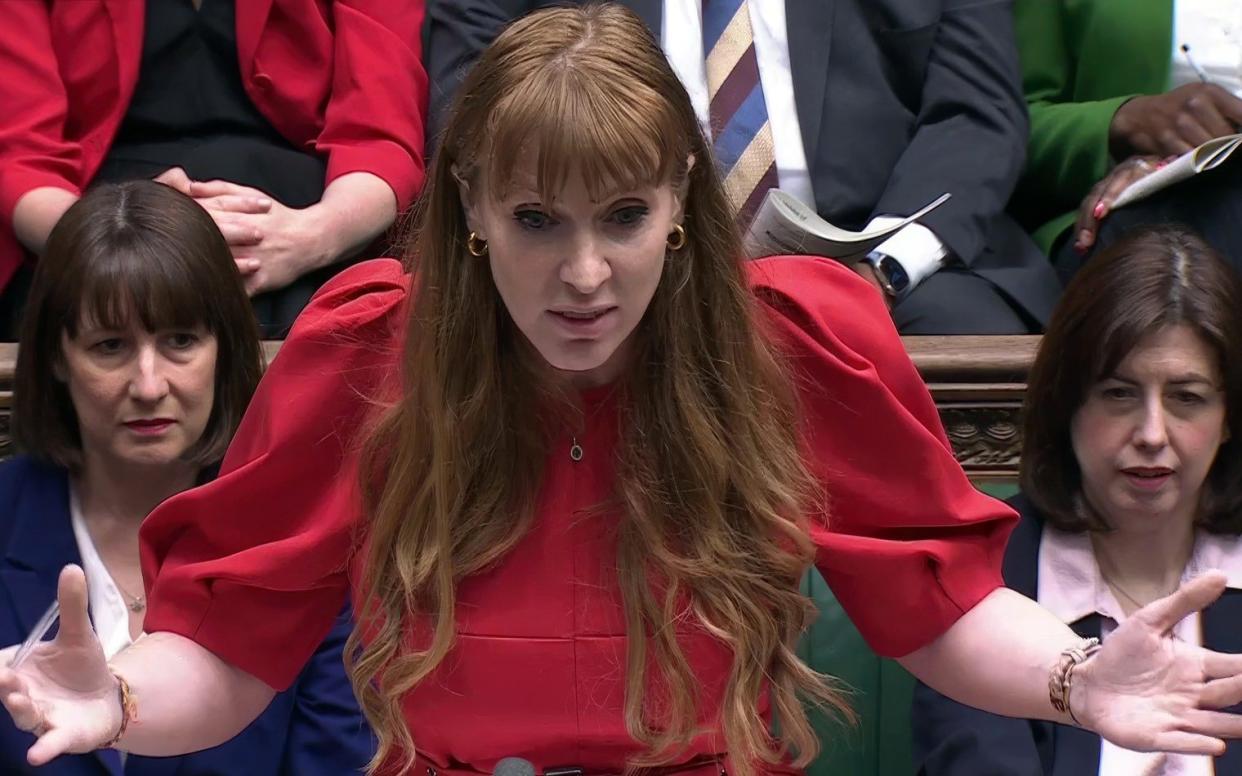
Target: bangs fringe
column 134, row 281
column 618, row 138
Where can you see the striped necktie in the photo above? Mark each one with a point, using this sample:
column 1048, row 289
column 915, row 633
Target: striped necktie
column 738, row 113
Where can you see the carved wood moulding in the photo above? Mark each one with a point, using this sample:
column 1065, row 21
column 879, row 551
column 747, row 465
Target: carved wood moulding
column 977, row 382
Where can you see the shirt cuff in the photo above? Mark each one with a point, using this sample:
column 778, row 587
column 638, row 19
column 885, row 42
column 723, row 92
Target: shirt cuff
column 915, row 247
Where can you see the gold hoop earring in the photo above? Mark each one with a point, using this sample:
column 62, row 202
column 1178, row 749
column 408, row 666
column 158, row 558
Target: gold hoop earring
column 677, row 238
column 476, row 245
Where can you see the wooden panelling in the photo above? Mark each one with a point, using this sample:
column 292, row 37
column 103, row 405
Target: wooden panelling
column 978, row 384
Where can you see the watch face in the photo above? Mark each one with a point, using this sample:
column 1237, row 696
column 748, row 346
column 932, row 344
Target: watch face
column 896, row 274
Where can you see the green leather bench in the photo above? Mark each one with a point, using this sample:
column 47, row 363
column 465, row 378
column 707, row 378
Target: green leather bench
column 880, row 744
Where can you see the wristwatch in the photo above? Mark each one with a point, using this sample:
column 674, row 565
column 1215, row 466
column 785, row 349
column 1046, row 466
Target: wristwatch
column 892, row 276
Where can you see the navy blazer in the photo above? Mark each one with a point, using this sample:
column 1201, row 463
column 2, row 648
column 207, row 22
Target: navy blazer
column 952, row 739
column 314, row 727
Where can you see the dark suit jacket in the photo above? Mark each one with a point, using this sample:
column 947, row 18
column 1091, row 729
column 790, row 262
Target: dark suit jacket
column 956, row 740
column 898, row 101
column 314, row 727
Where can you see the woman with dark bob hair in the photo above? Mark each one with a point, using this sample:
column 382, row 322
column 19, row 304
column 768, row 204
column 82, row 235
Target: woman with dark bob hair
column 139, row 354
column 1131, row 485
column 573, row 467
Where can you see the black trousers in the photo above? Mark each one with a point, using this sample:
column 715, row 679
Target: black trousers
column 1010, row 288
column 956, row 300
column 1209, row 204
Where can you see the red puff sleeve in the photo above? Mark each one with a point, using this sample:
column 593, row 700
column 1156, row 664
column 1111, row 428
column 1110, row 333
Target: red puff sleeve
column 908, row 544
column 253, row 565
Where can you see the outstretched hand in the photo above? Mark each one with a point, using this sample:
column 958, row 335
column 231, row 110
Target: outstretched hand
column 64, row 692
column 1146, row 691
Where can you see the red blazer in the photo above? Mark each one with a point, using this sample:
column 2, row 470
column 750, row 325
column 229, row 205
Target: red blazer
column 342, row 78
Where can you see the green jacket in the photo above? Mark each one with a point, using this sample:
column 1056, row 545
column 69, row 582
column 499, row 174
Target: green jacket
column 1081, row 59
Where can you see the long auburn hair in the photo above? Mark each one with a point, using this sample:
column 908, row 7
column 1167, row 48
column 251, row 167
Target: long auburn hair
column 714, row 511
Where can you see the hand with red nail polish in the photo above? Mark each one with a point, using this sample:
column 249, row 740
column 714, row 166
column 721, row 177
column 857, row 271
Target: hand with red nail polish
column 1099, row 201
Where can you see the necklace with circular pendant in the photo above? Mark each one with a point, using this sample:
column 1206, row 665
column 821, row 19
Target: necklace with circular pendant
column 575, row 450
column 136, row 603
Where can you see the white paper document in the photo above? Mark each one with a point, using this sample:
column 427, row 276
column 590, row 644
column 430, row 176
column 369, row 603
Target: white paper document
column 786, row 225
column 1208, row 156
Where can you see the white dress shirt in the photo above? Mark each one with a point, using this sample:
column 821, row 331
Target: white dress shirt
column 1212, row 29
column 1070, row 586
column 108, row 608
column 918, row 250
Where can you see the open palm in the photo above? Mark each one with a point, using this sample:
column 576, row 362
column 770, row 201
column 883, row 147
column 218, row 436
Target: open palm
column 63, row 692
column 1149, row 692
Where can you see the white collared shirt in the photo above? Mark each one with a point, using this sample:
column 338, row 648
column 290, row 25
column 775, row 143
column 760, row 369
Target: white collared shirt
column 108, row 608
column 915, row 247
column 1071, row 587
column 1212, row 29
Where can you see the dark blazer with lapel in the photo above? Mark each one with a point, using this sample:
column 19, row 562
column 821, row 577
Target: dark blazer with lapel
column 951, row 739
column 898, row 101
column 315, row 727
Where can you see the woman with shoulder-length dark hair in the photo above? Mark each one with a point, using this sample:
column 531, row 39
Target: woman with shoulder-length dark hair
column 139, row 355
column 1131, row 485
column 574, row 467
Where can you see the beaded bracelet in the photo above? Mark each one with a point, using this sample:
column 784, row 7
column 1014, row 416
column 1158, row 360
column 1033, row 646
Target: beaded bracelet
column 129, row 709
column 1062, row 676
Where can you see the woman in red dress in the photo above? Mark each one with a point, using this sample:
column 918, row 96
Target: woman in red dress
column 572, row 470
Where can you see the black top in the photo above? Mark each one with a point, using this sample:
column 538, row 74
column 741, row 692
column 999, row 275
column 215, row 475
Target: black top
column 190, row 109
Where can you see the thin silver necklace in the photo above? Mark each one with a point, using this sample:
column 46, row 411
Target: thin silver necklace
column 1125, row 593
column 576, row 452
column 136, row 602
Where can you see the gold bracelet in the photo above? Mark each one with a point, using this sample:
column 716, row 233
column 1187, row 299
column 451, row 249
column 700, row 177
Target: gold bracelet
column 1061, row 679
column 129, row 709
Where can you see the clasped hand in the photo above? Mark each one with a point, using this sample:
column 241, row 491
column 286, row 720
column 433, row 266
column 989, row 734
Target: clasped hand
column 272, row 244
